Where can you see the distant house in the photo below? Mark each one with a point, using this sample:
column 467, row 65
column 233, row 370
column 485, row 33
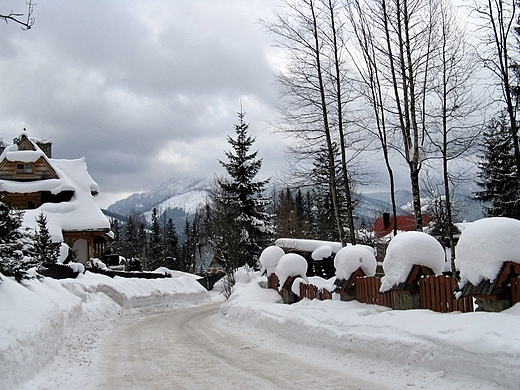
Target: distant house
column 31, row 180
column 405, row 223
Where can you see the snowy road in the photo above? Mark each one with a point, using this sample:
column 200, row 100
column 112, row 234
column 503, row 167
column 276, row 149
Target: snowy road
column 190, row 348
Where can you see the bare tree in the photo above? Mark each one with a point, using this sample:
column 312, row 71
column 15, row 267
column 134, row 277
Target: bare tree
column 454, row 124
column 16, row 17
column 499, row 18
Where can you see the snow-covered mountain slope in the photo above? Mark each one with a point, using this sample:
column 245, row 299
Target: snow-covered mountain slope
column 178, row 198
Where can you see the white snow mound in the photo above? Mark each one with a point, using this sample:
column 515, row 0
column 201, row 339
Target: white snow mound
column 270, row 257
column 484, row 245
column 352, row 257
column 289, row 265
column 406, row 250
column 322, row 252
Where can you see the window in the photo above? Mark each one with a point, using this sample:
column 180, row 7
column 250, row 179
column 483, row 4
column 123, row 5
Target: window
column 31, row 205
column 24, row 168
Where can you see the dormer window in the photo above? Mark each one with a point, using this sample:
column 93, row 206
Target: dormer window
column 24, row 168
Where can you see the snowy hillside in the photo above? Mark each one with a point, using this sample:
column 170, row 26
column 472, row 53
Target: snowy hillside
column 178, row 198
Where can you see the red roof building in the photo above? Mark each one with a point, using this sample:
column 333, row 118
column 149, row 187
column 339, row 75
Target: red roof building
column 385, row 224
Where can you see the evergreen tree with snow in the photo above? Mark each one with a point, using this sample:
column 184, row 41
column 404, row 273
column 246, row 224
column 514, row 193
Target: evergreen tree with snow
column 155, row 244
column 15, row 244
column 498, row 176
column 171, row 246
column 240, row 202
column 44, row 250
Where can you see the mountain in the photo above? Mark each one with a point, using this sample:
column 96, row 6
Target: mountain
column 178, row 199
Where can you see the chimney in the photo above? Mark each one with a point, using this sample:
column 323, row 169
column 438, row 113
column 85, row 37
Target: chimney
column 386, row 219
column 46, row 147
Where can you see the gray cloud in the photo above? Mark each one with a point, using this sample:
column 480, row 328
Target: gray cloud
column 146, row 91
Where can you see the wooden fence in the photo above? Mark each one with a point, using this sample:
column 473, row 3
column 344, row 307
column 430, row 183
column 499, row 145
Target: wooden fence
column 367, row 291
column 436, row 293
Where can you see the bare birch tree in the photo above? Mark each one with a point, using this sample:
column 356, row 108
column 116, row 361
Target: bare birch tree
column 16, row 17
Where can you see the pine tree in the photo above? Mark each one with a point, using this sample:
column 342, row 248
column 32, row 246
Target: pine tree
column 15, row 244
column 155, row 243
column 241, row 199
column 286, row 216
column 171, row 247
column 499, row 179
column 44, row 250
column 116, row 244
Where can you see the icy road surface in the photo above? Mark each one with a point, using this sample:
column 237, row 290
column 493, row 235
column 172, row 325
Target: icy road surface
column 190, row 348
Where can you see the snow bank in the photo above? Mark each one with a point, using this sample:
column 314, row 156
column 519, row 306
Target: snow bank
column 37, row 317
column 270, row 257
column 484, row 245
column 350, row 258
column 289, row 265
column 455, row 350
column 406, row 250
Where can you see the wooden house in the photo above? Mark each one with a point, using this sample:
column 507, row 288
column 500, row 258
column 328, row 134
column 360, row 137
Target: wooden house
column 31, row 180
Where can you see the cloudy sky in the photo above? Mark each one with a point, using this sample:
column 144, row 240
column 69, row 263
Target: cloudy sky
column 145, row 90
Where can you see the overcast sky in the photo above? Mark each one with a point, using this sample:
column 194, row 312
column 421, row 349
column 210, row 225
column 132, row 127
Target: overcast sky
column 147, row 91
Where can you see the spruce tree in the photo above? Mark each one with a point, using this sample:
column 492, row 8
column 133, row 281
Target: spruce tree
column 15, row 244
column 241, row 198
column 155, row 245
column 499, row 179
column 44, row 250
column 171, row 247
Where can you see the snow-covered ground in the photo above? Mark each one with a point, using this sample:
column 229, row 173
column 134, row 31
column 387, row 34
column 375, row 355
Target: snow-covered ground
column 51, row 332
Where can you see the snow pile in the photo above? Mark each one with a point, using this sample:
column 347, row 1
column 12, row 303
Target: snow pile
column 350, row 258
column 37, row 317
column 406, row 250
column 484, row 245
column 322, row 252
column 455, row 351
column 289, row 265
column 269, row 258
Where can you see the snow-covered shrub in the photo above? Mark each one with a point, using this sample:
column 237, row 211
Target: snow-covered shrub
column 352, row 257
column 269, row 258
column 289, row 265
column 406, row 250
column 484, row 245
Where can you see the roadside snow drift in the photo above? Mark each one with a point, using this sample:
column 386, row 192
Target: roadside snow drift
column 406, row 250
column 37, row 317
column 484, row 245
column 470, row 350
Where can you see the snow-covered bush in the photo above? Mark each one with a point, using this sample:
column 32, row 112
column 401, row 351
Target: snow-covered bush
column 352, row 257
column 289, row 265
column 484, row 245
column 406, row 250
column 269, row 258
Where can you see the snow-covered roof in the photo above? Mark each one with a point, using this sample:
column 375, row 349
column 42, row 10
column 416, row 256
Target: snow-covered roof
column 350, row 258
column 406, row 250
column 484, row 245
column 303, row 245
column 81, row 213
